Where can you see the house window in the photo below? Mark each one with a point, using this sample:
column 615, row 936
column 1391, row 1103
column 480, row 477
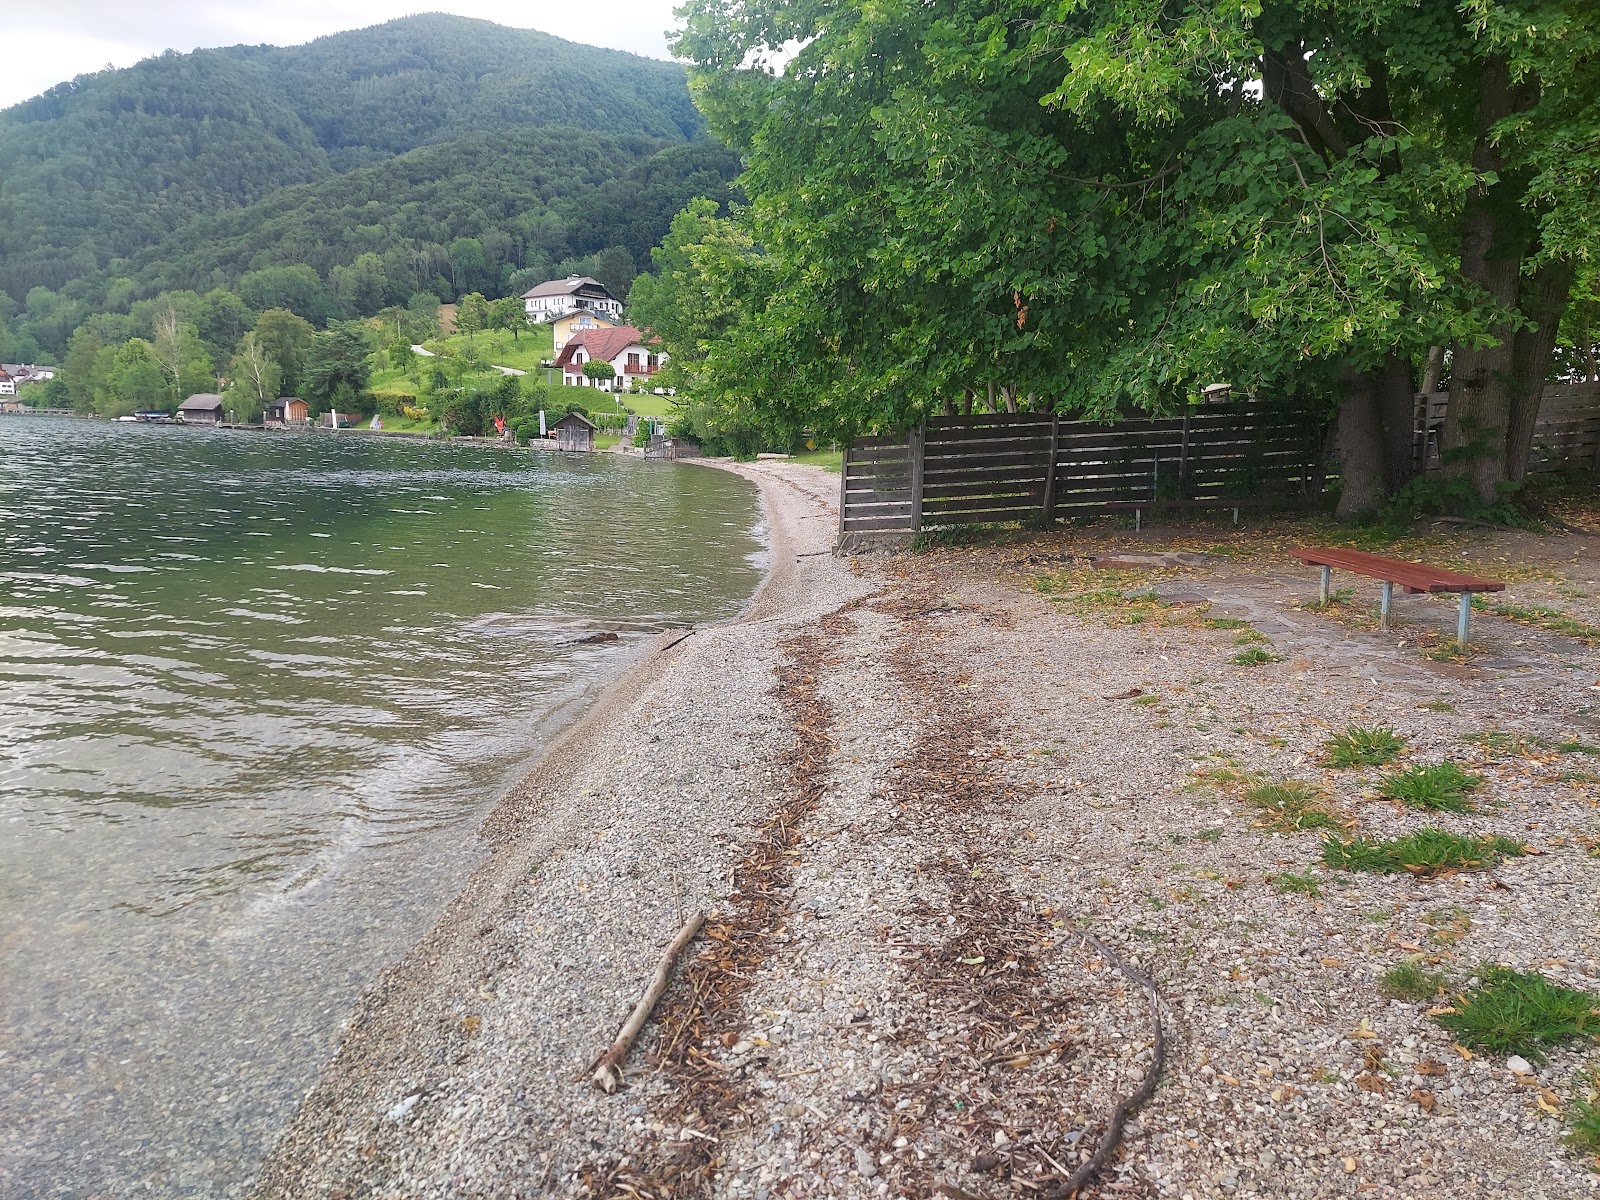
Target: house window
column 634, row 365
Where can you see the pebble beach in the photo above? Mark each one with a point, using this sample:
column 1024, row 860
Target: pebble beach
column 950, row 813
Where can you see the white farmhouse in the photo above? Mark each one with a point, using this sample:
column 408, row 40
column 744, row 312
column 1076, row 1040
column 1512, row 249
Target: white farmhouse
column 554, row 297
column 625, row 348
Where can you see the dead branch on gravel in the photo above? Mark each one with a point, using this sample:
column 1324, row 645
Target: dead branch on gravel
column 706, row 1007
column 608, row 1072
column 1112, row 1137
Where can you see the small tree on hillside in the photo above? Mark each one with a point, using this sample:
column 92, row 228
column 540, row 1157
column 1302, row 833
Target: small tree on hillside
column 599, row 370
column 508, row 313
column 472, row 314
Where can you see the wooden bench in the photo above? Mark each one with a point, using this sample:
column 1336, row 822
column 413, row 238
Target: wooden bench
column 1413, row 577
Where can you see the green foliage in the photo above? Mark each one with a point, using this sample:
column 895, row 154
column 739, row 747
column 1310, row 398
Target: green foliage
column 1440, row 787
column 598, row 369
column 1521, row 1012
column 1426, row 852
column 336, row 359
column 1434, row 496
column 1087, row 203
column 1358, row 747
column 1412, row 981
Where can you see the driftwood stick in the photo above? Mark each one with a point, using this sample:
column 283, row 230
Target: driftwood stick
column 1147, row 1087
column 608, row 1071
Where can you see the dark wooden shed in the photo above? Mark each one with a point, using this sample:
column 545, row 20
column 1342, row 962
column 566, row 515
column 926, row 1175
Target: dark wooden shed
column 574, row 432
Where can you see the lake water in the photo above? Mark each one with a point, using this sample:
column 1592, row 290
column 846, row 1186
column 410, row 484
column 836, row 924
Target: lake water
column 256, row 692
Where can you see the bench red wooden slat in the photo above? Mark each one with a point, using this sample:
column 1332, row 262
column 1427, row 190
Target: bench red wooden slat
column 1413, row 577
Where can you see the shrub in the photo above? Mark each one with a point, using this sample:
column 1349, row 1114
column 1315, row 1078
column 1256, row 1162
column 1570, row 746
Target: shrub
column 1517, row 1012
column 1357, row 747
column 1440, row 787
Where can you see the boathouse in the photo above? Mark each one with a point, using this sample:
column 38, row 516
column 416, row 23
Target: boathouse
column 202, row 408
column 574, row 432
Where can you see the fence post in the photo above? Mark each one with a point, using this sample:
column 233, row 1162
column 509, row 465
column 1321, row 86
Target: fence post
column 844, row 482
column 1183, row 459
column 1050, row 470
column 915, row 449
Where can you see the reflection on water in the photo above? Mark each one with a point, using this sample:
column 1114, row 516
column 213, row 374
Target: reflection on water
column 255, row 692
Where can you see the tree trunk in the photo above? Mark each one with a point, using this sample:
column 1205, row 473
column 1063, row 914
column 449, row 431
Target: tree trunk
column 993, row 407
column 1473, row 442
column 1544, row 299
column 1433, row 371
column 1396, row 401
column 1010, row 394
column 949, row 406
column 1360, row 444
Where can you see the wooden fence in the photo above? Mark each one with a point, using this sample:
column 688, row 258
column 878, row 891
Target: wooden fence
column 1031, row 466
column 1566, row 436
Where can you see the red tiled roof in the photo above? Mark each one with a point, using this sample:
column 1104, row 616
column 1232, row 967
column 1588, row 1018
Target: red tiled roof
column 604, row 344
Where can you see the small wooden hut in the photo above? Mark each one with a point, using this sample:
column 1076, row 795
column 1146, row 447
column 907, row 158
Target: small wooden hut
column 574, row 432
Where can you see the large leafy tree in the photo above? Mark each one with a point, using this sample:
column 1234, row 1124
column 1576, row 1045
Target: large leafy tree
column 1106, row 203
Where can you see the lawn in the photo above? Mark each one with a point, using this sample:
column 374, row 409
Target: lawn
column 648, row 404
column 496, row 346
column 828, row 460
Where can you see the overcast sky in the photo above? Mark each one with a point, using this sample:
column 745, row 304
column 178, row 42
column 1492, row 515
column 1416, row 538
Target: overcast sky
column 48, row 41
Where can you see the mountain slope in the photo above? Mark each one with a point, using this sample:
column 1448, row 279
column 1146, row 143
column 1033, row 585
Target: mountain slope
column 110, row 166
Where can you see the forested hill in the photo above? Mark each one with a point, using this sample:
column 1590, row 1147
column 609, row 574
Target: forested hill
column 119, row 182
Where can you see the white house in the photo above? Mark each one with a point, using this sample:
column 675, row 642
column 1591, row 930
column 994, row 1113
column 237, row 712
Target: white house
column 8, row 385
column 627, row 350
column 554, row 297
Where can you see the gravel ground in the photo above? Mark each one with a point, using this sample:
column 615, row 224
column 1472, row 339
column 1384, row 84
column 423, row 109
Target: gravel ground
column 946, row 821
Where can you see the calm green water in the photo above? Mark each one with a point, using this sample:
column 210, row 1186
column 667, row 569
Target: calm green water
column 256, row 691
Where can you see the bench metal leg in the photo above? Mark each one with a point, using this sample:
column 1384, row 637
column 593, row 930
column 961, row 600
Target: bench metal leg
column 1388, row 602
column 1327, row 576
column 1464, row 618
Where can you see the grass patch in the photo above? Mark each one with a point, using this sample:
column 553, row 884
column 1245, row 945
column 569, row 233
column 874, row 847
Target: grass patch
column 829, row 460
column 1438, row 787
column 1583, row 1120
column 1292, row 805
column 1521, row 1012
column 1336, row 598
column 1575, row 748
column 1249, row 637
column 1412, row 981
column 1290, row 884
column 1146, row 701
column 1254, row 657
column 1224, row 623
column 1439, row 706
column 1551, row 620
column 1115, row 597
column 1357, row 747
column 1426, row 853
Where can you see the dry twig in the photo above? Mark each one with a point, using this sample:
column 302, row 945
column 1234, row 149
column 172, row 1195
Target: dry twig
column 608, row 1072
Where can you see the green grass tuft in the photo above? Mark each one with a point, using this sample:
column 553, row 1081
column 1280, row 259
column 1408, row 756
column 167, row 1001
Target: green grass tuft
column 1254, row 657
column 1521, row 1012
column 1438, row 787
column 1358, row 747
column 1427, row 852
column 1412, row 981
column 1290, row 884
column 1292, row 805
column 1224, row 623
column 1583, row 1121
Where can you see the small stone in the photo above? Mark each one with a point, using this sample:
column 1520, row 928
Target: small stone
column 1000, row 1138
column 743, row 1046
column 1350, row 1166
column 1518, row 1065
column 864, row 1163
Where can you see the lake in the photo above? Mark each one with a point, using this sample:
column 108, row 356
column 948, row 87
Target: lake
column 256, row 693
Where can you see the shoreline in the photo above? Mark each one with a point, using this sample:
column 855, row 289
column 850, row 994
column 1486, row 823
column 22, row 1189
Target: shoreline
column 952, row 814
column 415, row 1018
